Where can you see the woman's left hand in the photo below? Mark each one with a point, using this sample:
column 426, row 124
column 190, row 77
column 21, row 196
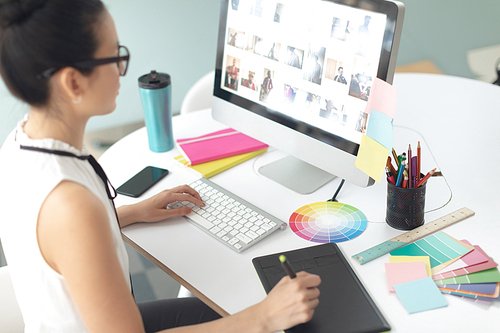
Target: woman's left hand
column 155, row 209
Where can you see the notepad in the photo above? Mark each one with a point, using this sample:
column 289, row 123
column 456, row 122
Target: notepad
column 217, row 145
column 209, row 169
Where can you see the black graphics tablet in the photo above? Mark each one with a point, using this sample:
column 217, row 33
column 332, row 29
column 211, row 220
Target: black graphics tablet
column 344, row 304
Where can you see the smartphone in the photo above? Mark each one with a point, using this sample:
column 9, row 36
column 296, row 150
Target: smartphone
column 142, row 181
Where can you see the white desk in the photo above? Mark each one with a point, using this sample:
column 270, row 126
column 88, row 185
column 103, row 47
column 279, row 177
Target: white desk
column 458, row 119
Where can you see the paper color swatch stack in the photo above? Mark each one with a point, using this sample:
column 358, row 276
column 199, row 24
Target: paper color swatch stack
column 422, row 271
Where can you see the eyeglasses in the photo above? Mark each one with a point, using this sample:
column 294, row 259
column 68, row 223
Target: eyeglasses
column 122, row 61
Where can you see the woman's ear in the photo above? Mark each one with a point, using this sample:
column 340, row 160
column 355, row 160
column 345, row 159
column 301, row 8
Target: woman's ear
column 72, row 83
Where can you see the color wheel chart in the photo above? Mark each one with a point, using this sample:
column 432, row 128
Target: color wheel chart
column 328, row 222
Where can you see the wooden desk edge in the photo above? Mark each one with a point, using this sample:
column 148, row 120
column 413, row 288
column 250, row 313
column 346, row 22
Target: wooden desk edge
column 176, row 277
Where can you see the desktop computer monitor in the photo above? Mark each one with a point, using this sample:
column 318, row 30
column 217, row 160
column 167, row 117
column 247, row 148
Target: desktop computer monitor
column 297, row 74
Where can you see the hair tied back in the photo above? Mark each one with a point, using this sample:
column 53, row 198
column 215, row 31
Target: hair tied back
column 16, row 11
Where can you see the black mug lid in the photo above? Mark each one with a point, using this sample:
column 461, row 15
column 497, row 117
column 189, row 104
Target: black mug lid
column 154, row 80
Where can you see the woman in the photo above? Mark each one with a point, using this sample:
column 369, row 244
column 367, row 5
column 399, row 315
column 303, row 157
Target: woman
column 58, row 225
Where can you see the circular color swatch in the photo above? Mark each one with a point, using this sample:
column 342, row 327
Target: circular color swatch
column 328, row 222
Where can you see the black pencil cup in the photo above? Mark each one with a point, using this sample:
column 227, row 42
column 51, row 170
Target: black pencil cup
column 405, row 207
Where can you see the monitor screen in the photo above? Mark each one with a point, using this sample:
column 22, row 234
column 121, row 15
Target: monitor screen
column 307, row 65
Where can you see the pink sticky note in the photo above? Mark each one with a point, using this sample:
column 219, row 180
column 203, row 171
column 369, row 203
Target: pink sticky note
column 382, row 98
column 402, row 272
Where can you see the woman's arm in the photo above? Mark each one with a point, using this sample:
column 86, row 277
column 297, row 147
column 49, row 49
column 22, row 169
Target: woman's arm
column 155, row 209
column 74, row 237
column 290, row 302
column 83, row 253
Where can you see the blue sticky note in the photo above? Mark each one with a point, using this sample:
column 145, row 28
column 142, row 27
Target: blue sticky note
column 420, row 295
column 380, row 128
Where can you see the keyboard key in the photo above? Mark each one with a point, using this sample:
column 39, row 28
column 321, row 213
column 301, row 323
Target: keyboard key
column 242, row 237
column 260, row 231
column 221, row 233
column 200, row 220
column 251, row 234
column 215, row 230
column 266, row 226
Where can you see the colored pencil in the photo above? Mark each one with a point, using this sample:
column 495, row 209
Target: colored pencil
column 395, row 157
column 390, row 166
column 400, row 173
column 418, row 162
column 390, row 177
column 423, row 180
column 409, row 166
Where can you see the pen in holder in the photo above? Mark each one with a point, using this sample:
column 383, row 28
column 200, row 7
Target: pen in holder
column 405, row 206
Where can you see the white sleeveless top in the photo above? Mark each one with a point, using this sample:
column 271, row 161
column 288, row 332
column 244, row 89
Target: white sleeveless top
column 26, row 178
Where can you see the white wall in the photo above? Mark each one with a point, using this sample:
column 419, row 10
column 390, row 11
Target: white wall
column 179, row 37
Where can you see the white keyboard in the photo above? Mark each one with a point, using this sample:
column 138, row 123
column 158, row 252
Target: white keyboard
column 231, row 220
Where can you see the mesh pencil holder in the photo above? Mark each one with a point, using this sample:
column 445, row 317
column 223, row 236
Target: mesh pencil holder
column 405, row 207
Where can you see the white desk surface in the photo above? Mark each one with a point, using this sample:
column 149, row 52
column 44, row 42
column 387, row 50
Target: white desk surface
column 456, row 119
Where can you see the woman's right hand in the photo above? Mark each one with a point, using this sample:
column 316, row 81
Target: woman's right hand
column 291, row 301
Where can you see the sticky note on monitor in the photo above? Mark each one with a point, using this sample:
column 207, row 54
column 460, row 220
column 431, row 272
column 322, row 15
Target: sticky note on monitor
column 372, row 158
column 380, row 129
column 382, row 98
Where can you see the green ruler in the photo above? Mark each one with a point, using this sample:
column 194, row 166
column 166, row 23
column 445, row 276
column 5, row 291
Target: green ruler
column 412, row 235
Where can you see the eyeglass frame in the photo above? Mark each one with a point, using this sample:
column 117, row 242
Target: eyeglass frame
column 92, row 63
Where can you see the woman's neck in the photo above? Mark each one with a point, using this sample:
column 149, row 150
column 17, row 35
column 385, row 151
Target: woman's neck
column 43, row 124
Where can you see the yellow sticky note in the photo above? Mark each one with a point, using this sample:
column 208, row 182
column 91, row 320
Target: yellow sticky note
column 372, row 158
column 425, row 259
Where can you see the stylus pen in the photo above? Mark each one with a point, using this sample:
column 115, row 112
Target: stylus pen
column 287, row 267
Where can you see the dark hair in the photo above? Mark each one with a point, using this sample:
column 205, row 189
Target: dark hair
column 36, row 35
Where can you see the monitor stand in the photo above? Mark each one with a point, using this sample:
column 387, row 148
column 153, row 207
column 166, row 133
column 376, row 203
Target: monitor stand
column 296, row 174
